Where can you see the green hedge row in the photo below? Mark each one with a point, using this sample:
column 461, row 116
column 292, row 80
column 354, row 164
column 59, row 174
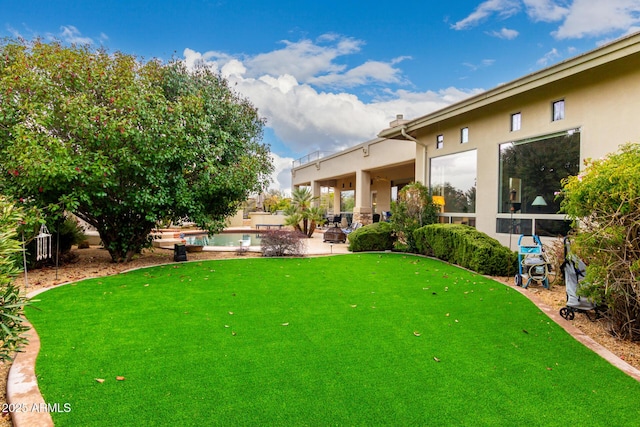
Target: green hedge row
column 466, row 247
column 378, row 236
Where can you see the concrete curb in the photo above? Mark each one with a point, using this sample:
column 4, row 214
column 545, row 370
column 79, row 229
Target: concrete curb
column 579, row 335
column 29, row 407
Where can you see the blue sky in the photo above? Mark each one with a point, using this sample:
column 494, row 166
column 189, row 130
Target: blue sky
column 330, row 74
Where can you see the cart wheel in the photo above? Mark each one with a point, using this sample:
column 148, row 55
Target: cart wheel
column 518, row 280
column 567, row 313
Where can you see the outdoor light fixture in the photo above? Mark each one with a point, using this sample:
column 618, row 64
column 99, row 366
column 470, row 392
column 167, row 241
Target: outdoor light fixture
column 539, row 201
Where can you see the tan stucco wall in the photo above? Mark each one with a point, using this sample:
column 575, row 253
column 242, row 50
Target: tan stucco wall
column 603, row 103
column 367, row 167
column 601, row 90
column 371, row 155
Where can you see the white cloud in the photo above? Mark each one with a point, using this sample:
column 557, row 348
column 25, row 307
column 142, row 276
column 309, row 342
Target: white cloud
column 307, row 119
column 281, row 177
column 14, row 33
column 577, row 18
column 370, row 71
column 483, row 64
column 71, row 34
column 587, row 18
column 304, row 59
column 505, row 33
column 546, row 10
column 549, row 57
column 502, row 8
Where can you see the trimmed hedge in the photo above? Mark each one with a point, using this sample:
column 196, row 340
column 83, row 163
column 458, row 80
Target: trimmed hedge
column 378, row 236
column 466, row 247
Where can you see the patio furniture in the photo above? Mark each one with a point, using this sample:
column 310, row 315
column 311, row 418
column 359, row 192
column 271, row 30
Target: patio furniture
column 334, row 235
column 354, row 226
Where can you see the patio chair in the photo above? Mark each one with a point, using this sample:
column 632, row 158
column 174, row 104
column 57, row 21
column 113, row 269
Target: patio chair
column 353, row 227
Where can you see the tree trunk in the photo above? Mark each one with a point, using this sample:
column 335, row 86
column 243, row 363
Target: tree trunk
column 122, row 246
column 312, row 228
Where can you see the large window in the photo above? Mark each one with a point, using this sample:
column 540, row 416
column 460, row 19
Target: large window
column 453, row 181
column 531, row 172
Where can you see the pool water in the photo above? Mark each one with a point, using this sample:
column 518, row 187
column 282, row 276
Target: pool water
column 224, row 239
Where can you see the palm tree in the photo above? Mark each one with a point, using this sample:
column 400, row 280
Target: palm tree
column 301, row 212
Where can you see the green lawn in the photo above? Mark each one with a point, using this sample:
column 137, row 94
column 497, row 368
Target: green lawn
column 370, row 339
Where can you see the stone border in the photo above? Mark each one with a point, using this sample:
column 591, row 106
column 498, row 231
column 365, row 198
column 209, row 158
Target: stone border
column 22, row 387
column 580, row 336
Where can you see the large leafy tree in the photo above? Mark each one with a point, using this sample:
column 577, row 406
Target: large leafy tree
column 124, row 143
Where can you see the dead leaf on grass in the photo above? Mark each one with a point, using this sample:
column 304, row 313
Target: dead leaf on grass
column 120, row 378
column 416, row 333
column 436, row 359
column 285, row 324
column 100, row 380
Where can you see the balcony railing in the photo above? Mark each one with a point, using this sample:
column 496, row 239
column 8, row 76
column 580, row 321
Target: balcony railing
column 316, row 155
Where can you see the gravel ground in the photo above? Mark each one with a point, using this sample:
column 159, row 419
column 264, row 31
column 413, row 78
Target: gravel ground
column 95, row 262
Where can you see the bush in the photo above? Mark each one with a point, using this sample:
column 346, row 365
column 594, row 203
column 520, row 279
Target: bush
column 604, row 201
column 415, row 208
column 70, row 234
column 374, row 237
column 12, row 303
column 466, row 247
column 282, row 243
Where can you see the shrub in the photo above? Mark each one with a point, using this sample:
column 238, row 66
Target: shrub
column 282, row 243
column 415, row 208
column 12, row 303
column 70, row 234
column 374, row 237
column 604, row 201
column 466, row 247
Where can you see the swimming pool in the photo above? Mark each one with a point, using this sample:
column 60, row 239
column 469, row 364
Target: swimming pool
column 223, row 239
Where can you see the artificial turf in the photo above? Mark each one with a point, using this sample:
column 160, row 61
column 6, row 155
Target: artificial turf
column 369, row 339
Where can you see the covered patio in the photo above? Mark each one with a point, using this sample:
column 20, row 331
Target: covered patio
column 359, row 183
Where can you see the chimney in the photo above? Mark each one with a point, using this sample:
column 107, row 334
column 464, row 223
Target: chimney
column 398, row 121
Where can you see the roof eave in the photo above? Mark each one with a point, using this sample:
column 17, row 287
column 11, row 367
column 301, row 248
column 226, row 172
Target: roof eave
column 620, row 48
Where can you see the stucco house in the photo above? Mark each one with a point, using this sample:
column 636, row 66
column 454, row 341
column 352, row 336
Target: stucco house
column 495, row 160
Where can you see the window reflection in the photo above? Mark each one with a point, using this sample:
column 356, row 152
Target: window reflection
column 453, row 181
column 531, row 172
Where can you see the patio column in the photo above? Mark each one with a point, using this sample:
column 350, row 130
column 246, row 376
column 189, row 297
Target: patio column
column 315, row 190
column 336, row 201
column 362, row 208
column 422, row 165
